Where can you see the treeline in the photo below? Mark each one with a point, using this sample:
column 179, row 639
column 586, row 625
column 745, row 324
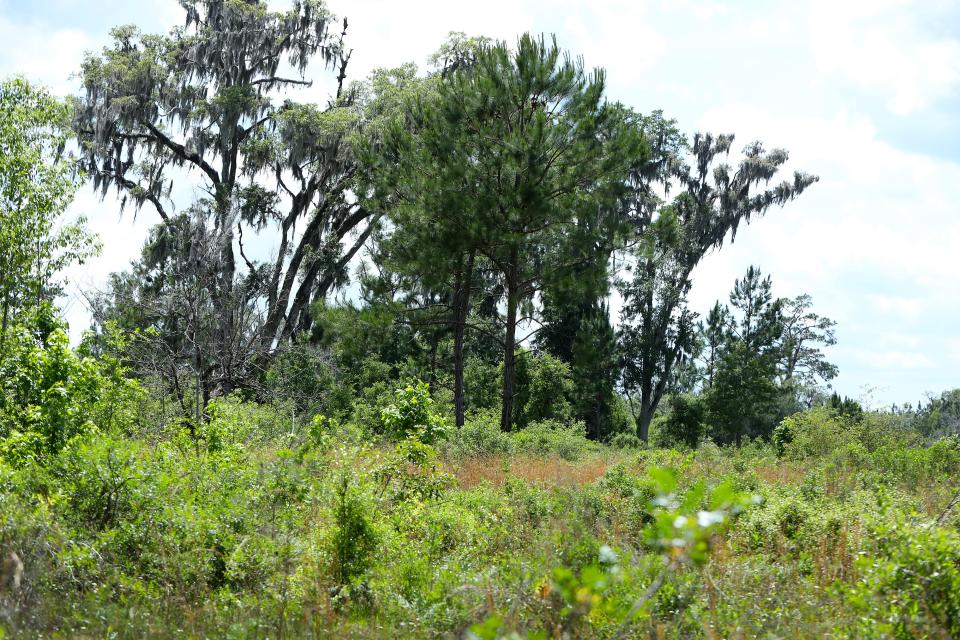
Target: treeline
column 488, row 201
column 477, row 219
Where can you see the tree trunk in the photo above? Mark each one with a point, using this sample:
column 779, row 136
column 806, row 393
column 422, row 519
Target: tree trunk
column 3, row 327
column 223, row 303
column 643, row 424
column 509, row 345
column 461, row 308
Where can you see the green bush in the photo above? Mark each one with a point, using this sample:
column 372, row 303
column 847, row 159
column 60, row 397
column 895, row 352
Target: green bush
column 305, row 376
column 234, row 422
column 542, row 390
column 683, row 426
column 626, row 440
column 481, row 383
column 412, row 470
column 412, row 414
column 569, row 441
column 480, row 437
column 50, row 394
column 911, row 583
column 103, row 478
column 814, row 433
column 353, row 539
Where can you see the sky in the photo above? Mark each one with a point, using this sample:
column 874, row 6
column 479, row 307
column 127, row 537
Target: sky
column 865, row 94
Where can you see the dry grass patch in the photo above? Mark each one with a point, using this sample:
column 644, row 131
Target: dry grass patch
column 781, row 473
column 539, row 470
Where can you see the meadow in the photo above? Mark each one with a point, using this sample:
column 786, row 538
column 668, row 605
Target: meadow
column 839, row 527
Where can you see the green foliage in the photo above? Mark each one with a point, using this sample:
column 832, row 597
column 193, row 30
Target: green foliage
column 626, row 440
column 683, row 524
column 684, row 425
column 742, row 399
column 233, row 423
column 481, row 388
column 353, row 539
column 941, row 416
column 36, row 185
column 412, row 415
column 51, row 394
column 480, row 437
column 543, row 386
column 569, row 441
column 367, row 345
column 911, row 583
column 845, row 406
column 305, row 376
column 383, row 536
column 812, row 433
column 412, row 471
column 302, row 491
column 500, row 115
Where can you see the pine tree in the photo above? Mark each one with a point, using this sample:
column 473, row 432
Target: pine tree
column 516, row 149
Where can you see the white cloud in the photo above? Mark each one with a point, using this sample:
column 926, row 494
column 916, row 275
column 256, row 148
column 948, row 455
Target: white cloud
column 897, row 307
column 896, row 360
column 42, row 55
column 620, row 37
column 878, row 45
column 873, row 241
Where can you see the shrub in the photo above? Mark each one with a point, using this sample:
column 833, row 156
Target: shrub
column 626, row 440
column 50, row 393
column 412, row 414
column 412, row 470
column 569, row 441
column 480, row 437
column 481, row 388
column 353, row 539
column 102, row 478
column 304, row 375
column 911, row 585
column 543, row 387
column 812, row 433
column 684, row 425
column 325, row 432
column 234, row 422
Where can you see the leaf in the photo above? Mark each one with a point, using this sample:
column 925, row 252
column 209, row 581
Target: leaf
column 665, row 479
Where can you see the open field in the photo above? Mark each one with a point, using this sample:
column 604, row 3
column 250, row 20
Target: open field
column 298, row 537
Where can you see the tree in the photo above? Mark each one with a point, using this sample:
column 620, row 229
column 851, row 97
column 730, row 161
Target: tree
column 742, row 397
column 685, row 424
column 577, row 329
column 518, row 147
column 657, row 328
column 36, row 185
column 165, row 304
column 760, row 323
column 715, row 334
column 802, row 362
column 201, row 103
column 422, row 259
column 576, row 324
column 425, row 247
column 50, row 394
column 941, row 415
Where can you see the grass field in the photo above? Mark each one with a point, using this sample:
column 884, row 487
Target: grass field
column 845, row 533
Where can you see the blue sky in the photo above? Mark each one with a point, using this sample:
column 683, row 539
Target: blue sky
column 864, row 94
